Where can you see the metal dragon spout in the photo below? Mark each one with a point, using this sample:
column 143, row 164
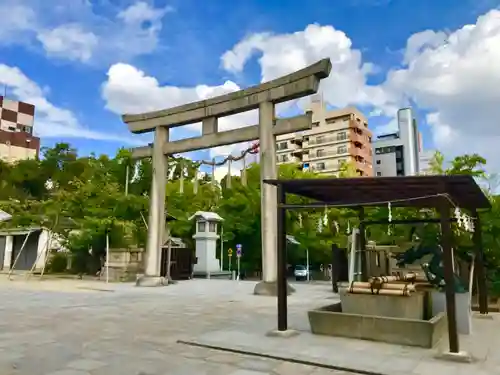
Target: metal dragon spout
column 434, row 271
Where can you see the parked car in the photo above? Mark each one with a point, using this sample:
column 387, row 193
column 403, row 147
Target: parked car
column 301, row 273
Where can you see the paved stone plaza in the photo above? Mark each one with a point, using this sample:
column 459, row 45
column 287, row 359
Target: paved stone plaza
column 67, row 327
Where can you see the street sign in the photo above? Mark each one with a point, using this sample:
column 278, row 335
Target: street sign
column 230, row 253
column 238, row 250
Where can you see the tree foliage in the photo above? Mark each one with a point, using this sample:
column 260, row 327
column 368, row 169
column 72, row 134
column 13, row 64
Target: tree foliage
column 83, row 198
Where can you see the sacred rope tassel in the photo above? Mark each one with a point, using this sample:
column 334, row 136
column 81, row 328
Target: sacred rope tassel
column 325, row 218
column 337, row 227
column 348, row 227
column 300, row 220
column 195, row 182
column 320, row 225
column 181, row 181
column 467, row 223
column 213, row 173
column 244, row 171
column 228, row 177
column 458, row 216
column 389, row 207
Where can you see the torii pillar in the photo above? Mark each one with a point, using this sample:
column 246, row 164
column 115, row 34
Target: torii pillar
column 263, row 97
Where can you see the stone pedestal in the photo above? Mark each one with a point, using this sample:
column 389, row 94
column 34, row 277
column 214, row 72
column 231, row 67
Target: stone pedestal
column 264, row 288
column 124, row 264
column 206, row 261
column 151, row 281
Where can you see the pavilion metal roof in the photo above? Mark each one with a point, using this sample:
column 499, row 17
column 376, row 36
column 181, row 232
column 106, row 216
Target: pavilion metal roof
column 421, row 191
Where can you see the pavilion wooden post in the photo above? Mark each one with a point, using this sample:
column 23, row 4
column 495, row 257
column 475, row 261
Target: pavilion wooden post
column 335, row 267
column 282, row 260
column 446, row 241
column 479, row 270
column 362, row 244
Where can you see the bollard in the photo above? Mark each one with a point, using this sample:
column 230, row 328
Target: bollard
column 233, row 275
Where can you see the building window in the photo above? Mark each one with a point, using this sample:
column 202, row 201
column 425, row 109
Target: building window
column 315, row 124
column 341, row 149
column 331, row 120
column 378, row 162
column 282, row 145
column 284, row 158
column 341, row 136
column 320, row 152
column 212, row 227
column 12, row 129
column 320, row 166
column 379, row 174
column 201, row 226
column 320, row 139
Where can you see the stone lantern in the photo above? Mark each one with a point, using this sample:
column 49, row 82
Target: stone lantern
column 207, row 265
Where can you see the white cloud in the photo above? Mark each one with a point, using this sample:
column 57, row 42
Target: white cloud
column 69, row 41
column 455, row 77
column 50, row 120
column 78, row 32
column 284, row 53
column 13, row 27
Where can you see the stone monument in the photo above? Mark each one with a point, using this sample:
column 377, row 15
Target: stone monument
column 207, row 265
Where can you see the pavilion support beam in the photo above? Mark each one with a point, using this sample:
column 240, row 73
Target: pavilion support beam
column 362, row 244
column 281, row 262
column 156, row 222
column 446, row 244
column 335, row 267
column 479, row 270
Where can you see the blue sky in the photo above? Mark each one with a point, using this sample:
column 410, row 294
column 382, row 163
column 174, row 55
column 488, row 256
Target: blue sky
column 181, row 43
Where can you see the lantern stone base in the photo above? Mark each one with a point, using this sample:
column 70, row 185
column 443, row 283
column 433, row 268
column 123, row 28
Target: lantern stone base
column 266, row 288
column 151, row 281
column 226, row 275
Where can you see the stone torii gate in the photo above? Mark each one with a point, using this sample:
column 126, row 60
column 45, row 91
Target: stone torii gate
column 263, row 97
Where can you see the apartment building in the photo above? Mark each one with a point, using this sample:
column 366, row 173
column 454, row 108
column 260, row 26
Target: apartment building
column 424, row 161
column 16, row 131
column 397, row 154
column 337, row 136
